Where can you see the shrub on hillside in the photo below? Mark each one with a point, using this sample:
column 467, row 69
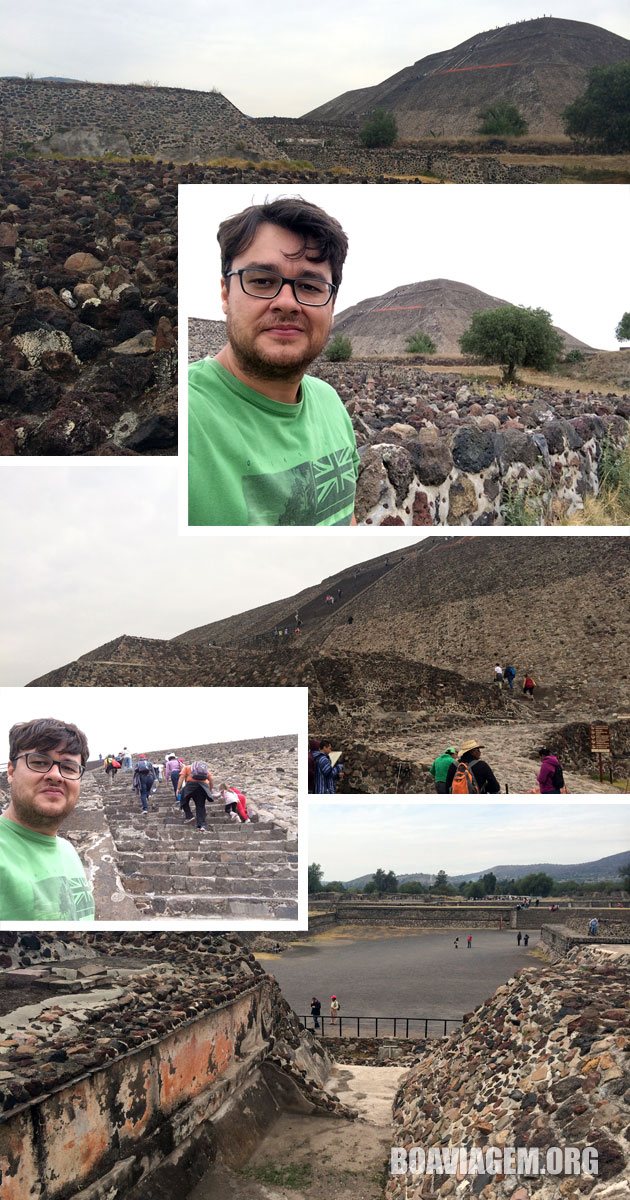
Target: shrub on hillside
column 420, row 343
column 380, row 129
column 502, row 119
column 339, row 349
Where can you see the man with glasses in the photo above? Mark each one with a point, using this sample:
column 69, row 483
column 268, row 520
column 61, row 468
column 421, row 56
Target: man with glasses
column 268, row 444
column 41, row 875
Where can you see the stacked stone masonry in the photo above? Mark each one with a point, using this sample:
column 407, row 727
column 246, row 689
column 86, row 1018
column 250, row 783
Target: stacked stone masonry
column 142, row 1055
column 539, row 1065
column 126, row 120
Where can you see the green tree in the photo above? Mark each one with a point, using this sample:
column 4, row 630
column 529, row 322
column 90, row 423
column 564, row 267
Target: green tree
column 339, row 349
column 502, row 119
column 315, row 875
column 335, row 886
column 513, row 337
column 625, row 876
column 385, row 881
column 380, row 129
column 622, row 332
column 474, row 890
column 412, row 888
column 489, row 881
column 441, row 886
column 370, row 888
column 420, row 343
column 601, row 115
column 536, row 884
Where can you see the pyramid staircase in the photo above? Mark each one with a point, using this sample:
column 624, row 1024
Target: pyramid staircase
column 173, row 870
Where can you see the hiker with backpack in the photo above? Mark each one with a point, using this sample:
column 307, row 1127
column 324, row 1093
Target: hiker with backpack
column 550, row 778
column 471, row 774
column 440, row 768
column 510, row 676
column 112, row 767
column 172, row 768
column 143, row 780
column 195, row 783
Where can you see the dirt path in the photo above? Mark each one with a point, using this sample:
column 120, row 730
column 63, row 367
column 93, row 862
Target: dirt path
column 507, row 748
column 322, row 1156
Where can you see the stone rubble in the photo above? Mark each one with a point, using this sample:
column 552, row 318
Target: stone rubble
column 540, row 1064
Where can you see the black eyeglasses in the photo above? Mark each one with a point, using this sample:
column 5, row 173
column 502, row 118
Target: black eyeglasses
column 265, row 285
column 41, row 763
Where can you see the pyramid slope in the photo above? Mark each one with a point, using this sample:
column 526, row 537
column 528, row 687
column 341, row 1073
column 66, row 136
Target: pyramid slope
column 539, row 65
column 443, row 308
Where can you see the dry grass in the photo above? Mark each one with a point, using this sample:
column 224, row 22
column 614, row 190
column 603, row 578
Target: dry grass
column 492, row 375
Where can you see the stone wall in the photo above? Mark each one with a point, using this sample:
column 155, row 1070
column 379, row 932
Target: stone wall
column 329, row 146
column 560, row 940
column 435, row 451
column 152, row 1049
column 93, row 119
column 539, row 1065
column 427, row 916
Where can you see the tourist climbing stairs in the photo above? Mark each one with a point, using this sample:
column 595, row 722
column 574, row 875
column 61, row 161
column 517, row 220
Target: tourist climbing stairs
column 173, row 870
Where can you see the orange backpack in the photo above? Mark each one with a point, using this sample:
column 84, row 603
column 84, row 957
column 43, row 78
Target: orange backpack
column 464, row 781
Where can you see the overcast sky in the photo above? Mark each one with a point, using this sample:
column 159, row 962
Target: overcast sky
column 550, row 247
column 113, row 718
column 349, row 840
column 269, row 59
column 91, row 552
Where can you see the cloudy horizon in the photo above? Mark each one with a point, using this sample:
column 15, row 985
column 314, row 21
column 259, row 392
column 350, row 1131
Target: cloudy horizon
column 267, row 61
column 93, row 553
column 349, row 840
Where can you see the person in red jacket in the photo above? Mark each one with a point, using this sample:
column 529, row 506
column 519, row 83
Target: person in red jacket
column 235, row 804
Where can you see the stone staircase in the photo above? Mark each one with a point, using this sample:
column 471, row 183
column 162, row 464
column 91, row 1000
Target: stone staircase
column 173, row 870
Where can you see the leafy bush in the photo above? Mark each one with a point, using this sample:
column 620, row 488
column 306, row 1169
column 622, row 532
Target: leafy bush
column 503, row 119
column 380, row 129
column 601, row 115
column 420, row 343
column 339, row 349
column 574, row 356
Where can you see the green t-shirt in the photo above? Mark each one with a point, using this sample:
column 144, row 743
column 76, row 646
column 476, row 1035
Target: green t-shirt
column 41, row 877
column 256, row 461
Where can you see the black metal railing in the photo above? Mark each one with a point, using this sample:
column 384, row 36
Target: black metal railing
column 402, row 1027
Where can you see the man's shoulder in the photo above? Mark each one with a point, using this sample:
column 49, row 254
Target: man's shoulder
column 311, row 385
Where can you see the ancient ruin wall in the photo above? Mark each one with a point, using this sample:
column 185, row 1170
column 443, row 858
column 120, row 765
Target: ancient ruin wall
column 135, row 1079
column 538, row 1065
column 132, row 119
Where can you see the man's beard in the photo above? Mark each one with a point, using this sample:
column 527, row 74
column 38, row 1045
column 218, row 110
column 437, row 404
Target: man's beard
column 261, row 366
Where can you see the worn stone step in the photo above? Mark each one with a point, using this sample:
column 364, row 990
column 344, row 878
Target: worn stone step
column 193, row 885
column 206, row 853
column 247, row 907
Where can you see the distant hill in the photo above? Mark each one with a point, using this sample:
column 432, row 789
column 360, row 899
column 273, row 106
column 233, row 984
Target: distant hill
column 589, row 872
column 443, row 308
column 540, row 66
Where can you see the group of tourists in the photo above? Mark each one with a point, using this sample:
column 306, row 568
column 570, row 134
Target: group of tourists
column 323, row 774
column 465, row 772
column 316, row 1010
column 191, row 782
column 507, row 675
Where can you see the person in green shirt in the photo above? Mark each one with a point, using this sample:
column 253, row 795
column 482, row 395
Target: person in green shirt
column 41, row 875
column 440, row 767
column 268, row 444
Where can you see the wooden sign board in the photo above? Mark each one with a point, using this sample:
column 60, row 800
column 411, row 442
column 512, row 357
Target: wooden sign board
column 600, row 739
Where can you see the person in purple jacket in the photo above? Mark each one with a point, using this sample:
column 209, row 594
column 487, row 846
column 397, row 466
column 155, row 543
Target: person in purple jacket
column 550, row 776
